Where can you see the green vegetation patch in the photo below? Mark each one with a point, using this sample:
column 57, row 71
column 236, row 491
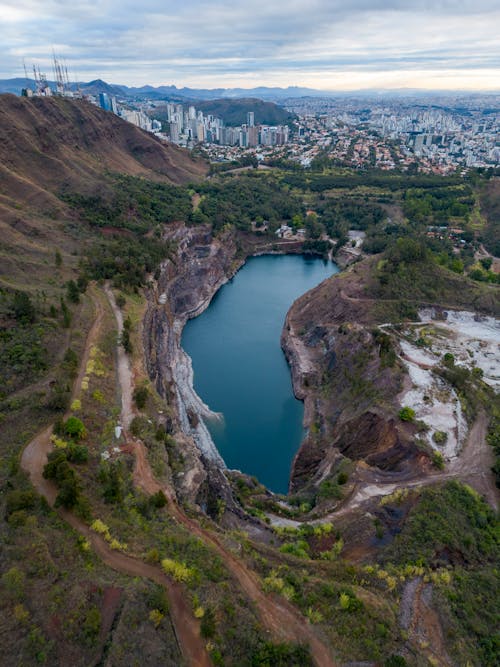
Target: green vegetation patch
column 448, row 524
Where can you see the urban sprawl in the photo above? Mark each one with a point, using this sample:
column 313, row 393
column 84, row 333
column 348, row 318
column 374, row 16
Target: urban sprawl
column 434, row 136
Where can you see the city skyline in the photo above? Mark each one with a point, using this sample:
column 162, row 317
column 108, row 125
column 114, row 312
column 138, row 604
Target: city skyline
column 323, row 45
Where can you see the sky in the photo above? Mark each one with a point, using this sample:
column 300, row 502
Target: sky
column 323, row 44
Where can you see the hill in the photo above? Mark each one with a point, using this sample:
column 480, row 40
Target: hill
column 234, row 112
column 48, row 141
column 48, row 145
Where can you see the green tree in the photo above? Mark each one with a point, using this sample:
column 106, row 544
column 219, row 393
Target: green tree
column 23, row 308
column 72, row 291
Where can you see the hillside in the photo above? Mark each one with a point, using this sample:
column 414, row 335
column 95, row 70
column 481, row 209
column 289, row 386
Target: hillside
column 234, row 111
column 48, row 141
column 48, row 146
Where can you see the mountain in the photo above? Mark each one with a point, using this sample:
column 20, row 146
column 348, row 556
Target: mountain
column 52, row 144
column 234, row 111
column 275, row 94
column 170, row 92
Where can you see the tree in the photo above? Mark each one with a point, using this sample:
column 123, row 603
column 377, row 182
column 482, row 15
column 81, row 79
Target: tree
column 72, row 291
column 74, row 428
column 23, row 308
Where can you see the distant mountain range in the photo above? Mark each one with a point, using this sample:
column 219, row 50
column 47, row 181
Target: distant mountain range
column 168, row 92
column 263, row 93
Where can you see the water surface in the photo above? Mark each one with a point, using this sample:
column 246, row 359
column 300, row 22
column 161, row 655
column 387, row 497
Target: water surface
column 241, row 371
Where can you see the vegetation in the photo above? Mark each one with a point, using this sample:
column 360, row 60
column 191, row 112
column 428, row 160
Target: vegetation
column 53, row 584
column 453, row 527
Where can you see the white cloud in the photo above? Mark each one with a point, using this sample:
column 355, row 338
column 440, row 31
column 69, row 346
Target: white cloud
column 211, row 43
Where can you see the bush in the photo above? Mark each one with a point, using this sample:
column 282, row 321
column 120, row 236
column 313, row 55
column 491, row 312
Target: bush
column 438, row 460
column 440, row 437
column 406, row 414
column 19, row 500
column 23, row 308
column 342, row 478
column 178, row 571
column 74, row 428
column 158, row 499
column 281, row 655
column 141, row 396
column 77, row 453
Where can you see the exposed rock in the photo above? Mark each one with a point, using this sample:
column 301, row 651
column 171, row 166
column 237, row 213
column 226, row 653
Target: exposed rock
column 186, row 285
column 349, row 392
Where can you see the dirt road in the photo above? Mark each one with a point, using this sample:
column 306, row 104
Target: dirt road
column 283, row 621
column 125, row 381
column 33, row 459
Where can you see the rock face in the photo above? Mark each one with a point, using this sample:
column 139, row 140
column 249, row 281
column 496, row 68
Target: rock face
column 349, row 386
column 200, row 265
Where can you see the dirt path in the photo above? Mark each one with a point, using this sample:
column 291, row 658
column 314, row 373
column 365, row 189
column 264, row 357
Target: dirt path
column 283, row 621
column 34, row 455
column 33, row 460
column 125, row 381
column 475, row 461
column 420, row 620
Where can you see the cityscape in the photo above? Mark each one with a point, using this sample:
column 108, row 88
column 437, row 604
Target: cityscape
column 430, row 135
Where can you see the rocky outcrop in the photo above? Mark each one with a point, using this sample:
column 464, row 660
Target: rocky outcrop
column 198, row 267
column 348, row 383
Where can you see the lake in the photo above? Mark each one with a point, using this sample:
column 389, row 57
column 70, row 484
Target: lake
column 241, row 371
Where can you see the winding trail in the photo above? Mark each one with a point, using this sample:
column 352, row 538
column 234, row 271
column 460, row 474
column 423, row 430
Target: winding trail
column 33, row 459
column 280, row 618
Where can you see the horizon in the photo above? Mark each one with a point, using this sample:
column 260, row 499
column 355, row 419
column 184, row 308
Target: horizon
column 283, row 86
column 321, row 45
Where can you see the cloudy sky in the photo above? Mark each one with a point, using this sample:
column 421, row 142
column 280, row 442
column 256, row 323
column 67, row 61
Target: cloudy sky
column 325, row 44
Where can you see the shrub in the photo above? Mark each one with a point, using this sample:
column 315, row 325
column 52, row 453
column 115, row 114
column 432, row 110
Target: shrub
column 92, row 623
column 74, row 428
column 438, row 460
column 440, row 437
column 77, row 453
column 281, row 655
column 121, row 301
column 141, row 396
column 158, row 499
column 19, row 500
column 207, row 626
column 342, row 478
column 406, row 414
column 156, row 617
column 178, row 571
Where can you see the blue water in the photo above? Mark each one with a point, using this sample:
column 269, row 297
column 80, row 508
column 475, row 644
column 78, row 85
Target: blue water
column 241, row 371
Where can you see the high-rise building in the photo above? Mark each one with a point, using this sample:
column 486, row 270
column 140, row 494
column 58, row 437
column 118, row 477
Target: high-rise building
column 105, row 102
column 250, row 119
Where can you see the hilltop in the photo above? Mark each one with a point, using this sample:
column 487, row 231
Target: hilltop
column 234, row 111
column 49, row 141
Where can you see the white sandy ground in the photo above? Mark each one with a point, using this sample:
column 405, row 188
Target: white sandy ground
column 473, row 341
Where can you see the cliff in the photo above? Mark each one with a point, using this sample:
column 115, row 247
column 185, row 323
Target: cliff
column 187, row 282
column 349, row 386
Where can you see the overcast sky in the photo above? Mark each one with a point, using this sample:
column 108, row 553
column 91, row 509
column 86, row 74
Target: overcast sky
column 326, row 44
